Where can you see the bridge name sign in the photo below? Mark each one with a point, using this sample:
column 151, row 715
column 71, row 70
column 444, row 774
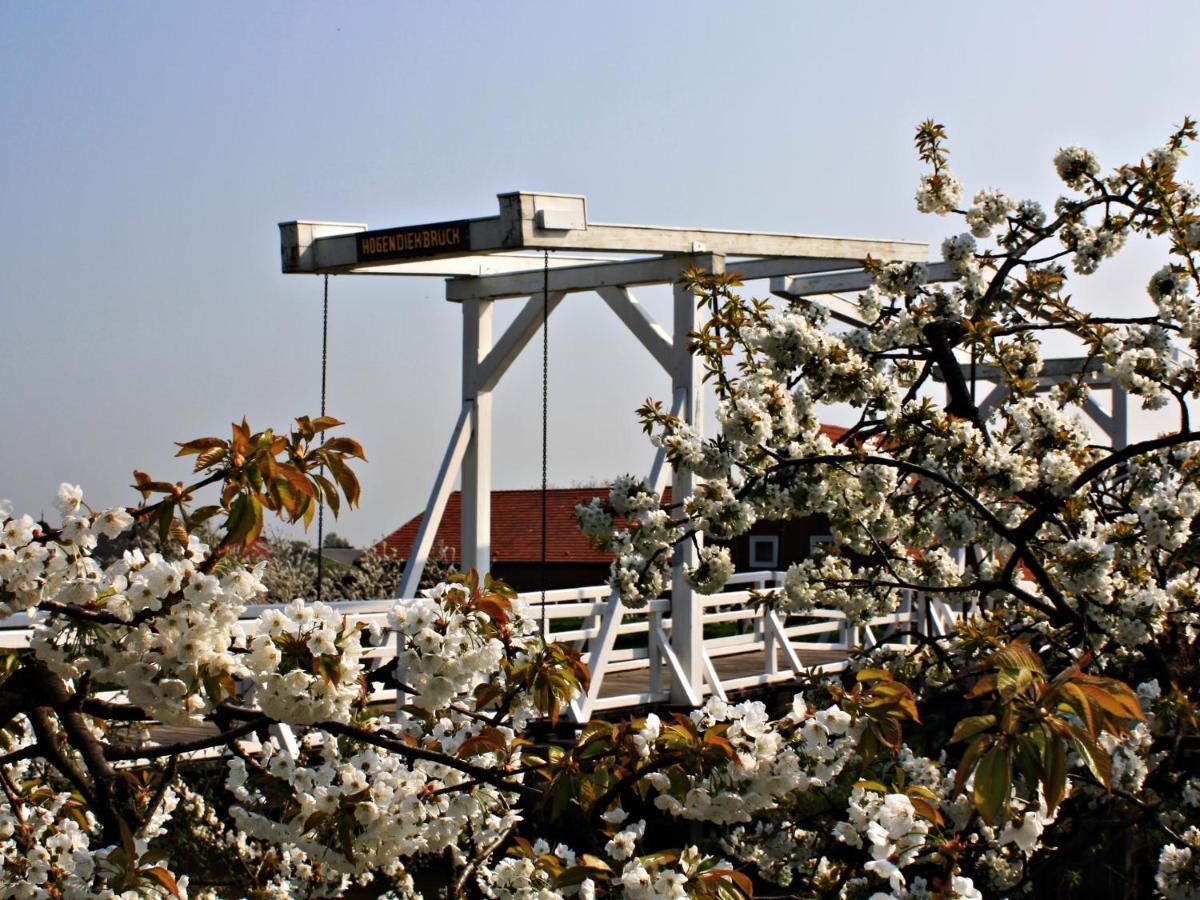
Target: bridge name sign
column 414, row 241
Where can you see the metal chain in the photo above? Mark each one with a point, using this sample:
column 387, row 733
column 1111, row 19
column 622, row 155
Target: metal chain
column 545, row 414
column 321, row 499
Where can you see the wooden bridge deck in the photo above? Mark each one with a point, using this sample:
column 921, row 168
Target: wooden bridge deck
column 735, row 665
column 615, row 684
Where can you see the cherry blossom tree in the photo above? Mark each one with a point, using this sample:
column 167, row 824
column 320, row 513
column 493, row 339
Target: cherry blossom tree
column 1059, row 716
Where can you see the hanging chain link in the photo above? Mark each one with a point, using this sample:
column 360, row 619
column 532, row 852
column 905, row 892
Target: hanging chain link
column 545, row 415
column 321, row 499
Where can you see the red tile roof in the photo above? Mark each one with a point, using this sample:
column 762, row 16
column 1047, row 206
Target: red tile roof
column 516, row 527
column 517, row 524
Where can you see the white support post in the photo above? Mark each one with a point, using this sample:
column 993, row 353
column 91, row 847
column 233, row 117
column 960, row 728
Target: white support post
column 477, row 461
column 687, row 617
column 764, row 632
column 654, row 652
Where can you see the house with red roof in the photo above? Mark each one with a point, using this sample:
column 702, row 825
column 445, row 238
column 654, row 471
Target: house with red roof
column 570, row 560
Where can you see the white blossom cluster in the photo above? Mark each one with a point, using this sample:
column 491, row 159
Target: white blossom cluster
column 45, row 852
column 939, row 194
column 647, row 877
column 1178, row 875
column 888, row 826
column 305, row 664
column 713, row 570
column 363, row 810
column 34, row 569
column 641, row 568
column 49, row 840
column 770, row 763
column 446, row 651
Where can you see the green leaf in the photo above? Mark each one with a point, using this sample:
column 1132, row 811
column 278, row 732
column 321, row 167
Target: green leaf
column 1112, row 696
column 332, row 498
column 868, row 785
column 163, row 519
column 971, row 726
column 993, row 780
column 1078, row 701
column 1054, row 764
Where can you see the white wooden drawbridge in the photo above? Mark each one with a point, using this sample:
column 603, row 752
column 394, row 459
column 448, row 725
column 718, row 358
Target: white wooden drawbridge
column 537, row 251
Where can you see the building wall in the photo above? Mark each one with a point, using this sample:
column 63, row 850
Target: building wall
column 526, row 577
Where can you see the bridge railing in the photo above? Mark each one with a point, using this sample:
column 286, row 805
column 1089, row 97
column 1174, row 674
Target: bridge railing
column 617, row 642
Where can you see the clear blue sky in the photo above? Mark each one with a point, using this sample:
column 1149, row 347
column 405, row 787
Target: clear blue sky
column 148, row 151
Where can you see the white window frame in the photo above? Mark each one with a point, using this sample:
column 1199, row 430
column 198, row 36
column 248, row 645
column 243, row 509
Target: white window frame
column 759, row 540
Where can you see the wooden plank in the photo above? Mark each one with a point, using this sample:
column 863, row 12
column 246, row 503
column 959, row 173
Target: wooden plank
column 730, row 669
column 789, row 652
column 595, row 274
column 681, row 684
column 333, row 247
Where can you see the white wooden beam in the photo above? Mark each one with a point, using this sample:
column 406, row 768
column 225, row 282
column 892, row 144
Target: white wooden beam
column 711, row 676
column 601, row 649
column 660, row 472
column 773, row 267
column 681, row 686
column 844, row 282
column 652, row 335
column 626, row 273
column 655, row 239
column 477, row 462
column 285, row 738
column 780, row 633
column 661, row 270
column 533, row 220
column 414, row 566
column 513, row 341
column 1120, row 417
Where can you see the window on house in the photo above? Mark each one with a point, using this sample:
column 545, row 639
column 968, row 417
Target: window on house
column 764, row 551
